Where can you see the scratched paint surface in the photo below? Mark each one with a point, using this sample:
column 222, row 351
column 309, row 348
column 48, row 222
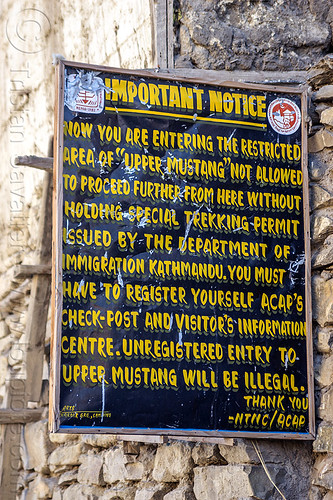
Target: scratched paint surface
column 183, row 257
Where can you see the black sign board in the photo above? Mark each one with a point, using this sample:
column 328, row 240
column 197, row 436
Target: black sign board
column 181, row 278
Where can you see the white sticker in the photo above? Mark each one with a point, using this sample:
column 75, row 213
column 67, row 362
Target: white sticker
column 284, row 116
column 84, row 93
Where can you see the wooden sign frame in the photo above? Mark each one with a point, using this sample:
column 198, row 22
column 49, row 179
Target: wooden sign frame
column 57, row 273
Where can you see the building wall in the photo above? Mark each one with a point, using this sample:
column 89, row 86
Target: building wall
column 266, row 36
column 253, row 35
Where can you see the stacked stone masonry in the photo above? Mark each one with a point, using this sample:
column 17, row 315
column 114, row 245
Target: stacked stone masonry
column 88, row 467
column 252, row 35
column 226, row 34
column 320, row 171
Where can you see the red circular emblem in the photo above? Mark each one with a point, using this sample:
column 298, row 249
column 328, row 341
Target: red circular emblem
column 284, row 116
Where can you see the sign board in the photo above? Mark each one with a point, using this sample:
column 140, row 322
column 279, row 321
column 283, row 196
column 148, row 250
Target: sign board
column 181, row 301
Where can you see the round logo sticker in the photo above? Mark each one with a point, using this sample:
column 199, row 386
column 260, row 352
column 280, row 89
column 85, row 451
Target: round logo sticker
column 284, row 116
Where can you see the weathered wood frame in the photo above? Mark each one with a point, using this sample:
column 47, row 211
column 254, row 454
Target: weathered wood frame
column 54, row 414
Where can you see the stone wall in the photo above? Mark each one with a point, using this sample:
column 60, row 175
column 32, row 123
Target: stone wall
column 66, row 467
column 209, row 34
column 320, row 170
column 252, row 34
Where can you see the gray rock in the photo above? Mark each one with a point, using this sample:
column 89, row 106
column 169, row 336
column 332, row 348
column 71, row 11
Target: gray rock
column 320, row 140
column 320, row 197
column 262, row 36
column 323, row 256
column 315, row 493
column 319, row 166
column 325, row 93
column 321, row 74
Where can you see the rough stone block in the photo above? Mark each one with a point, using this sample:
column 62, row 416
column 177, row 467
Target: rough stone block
column 327, row 136
column 316, row 142
column 118, row 467
column 57, row 470
column 91, row 469
column 320, row 197
column 119, row 492
column 321, row 225
column 324, row 439
column 41, row 488
column 324, row 473
column 68, row 477
column 134, row 471
column 66, row 455
column 216, row 482
column 172, row 462
column 180, row 493
column 324, row 371
column 59, row 438
column 114, row 466
column 232, row 482
column 315, row 493
column 323, row 257
column 38, row 446
column 241, row 453
column 79, row 492
column 319, row 108
column 320, row 140
column 322, row 292
column 102, row 441
column 326, row 405
column 150, row 491
column 207, row 454
column 326, row 116
column 243, row 49
column 325, row 93
column 325, row 340
column 319, row 164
